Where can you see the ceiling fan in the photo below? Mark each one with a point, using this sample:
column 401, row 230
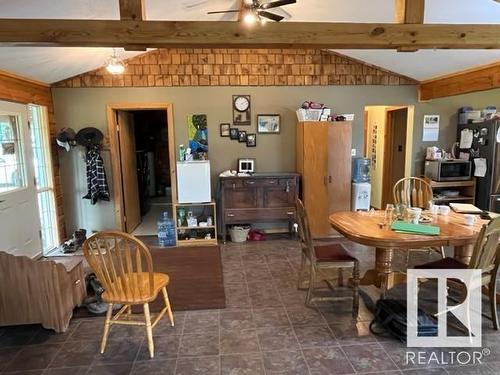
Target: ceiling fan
column 251, row 11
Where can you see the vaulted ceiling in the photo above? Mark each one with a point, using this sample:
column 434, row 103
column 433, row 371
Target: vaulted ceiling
column 51, row 64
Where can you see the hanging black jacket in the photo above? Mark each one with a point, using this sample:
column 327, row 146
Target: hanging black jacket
column 96, row 177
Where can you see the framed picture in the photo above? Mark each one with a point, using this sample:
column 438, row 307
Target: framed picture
column 268, row 124
column 224, row 130
column 234, row 133
column 251, row 140
column 242, row 136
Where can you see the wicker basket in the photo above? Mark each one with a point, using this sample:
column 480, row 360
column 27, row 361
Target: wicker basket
column 239, row 233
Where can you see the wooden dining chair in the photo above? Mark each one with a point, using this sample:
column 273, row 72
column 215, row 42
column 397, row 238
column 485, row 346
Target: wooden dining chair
column 124, row 266
column 322, row 259
column 485, row 257
column 415, row 192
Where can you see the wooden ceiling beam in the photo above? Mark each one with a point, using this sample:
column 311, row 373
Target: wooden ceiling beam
column 132, row 10
column 472, row 80
column 168, row 34
column 409, row 11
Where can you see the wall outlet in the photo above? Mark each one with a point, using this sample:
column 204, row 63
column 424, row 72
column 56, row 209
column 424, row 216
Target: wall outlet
column 353, row 152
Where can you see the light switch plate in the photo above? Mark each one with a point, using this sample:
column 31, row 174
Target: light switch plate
column 353, row 152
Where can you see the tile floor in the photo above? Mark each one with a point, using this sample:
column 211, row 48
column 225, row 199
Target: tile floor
column 265, row 329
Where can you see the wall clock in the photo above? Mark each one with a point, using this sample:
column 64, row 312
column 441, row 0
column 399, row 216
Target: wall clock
column 241, row 110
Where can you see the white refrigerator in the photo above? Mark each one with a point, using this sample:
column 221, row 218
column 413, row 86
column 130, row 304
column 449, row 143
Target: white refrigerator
column 193, row 181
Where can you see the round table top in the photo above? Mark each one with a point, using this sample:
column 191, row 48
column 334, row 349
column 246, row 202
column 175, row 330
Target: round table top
column 365, row 228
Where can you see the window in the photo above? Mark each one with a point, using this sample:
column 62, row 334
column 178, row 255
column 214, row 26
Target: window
column 39, row 128
column 12, row 172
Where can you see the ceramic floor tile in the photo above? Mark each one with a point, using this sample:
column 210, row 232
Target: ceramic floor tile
column 328, row 360
column 277, row 338
column 242, row 364
column 369, row 358
column 289, row 362
column 271, row 317
column 166, row 347
column 76, row 353
column 354, row 333
column 239, row 341
column 18, row 335
column 199, row 344
column 118, row 369
column 305, row 316
column 236, row 319
column 119, row 351
column 79, row 370
column 34, row 357
column 204, row 321
column 313, row 336
column 7, row 354
column 157, row 367
column 198, row 366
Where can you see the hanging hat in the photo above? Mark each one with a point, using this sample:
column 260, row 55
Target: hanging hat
column 65, row 138
column 89, row 137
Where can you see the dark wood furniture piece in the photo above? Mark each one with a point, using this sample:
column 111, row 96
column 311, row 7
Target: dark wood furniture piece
column 41, row 291
column 262, row 197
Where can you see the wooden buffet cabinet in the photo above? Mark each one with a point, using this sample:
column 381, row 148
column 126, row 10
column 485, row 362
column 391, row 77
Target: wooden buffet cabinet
column 262, row 197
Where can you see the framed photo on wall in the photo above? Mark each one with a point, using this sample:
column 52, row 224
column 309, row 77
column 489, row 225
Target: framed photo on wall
column 242, row 136
column 268, row 124
column 234, row 133
column 224, row 130
column 251, row 140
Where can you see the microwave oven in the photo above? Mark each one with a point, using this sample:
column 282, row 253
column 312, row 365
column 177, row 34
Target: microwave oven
column 447, row 170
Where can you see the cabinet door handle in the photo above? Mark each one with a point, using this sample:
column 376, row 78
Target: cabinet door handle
column 330, row 179
column 250, row 182
column 230, row 215
column 325, row 180
column 234, row 186
column 77, row 282
column 290, row 213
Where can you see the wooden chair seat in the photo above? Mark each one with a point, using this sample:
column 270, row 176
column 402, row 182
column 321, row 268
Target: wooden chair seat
column 332, row 253
column 139, row 292
column 445, row 263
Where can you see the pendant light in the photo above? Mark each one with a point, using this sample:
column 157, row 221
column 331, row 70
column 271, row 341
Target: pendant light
column 114, row 64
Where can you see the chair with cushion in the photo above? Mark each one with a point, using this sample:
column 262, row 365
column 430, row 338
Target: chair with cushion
column 124, row 266
column 323, row 259
column 485, row 257
column 415, row 192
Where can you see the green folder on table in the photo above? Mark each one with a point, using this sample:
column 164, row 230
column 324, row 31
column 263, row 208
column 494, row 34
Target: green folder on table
column 402, row 226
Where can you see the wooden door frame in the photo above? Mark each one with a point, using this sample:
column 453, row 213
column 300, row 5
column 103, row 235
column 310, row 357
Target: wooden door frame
column 115, row 151
column 387, row 195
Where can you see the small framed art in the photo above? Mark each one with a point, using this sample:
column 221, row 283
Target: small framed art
column 234, row 133
column 224, row 130
column 251, row 140
column 268, row 124
column 242, row 136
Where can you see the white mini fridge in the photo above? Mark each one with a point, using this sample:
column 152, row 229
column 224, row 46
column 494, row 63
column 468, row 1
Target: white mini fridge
column 361, row 192
column 193, row 181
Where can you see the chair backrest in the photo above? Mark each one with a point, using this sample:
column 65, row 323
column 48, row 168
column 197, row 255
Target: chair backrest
column 304, row 231
column 122, row 264
column 486, row 254
column 413, row 192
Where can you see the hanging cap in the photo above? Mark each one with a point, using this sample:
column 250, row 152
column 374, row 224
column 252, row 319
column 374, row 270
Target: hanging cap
column 65, row 137
column 89, row 137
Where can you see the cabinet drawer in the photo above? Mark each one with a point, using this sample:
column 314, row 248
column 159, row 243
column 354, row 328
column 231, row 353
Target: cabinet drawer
column 232, row 184
column 267, row 214
column 287, row 182
column 260, row 182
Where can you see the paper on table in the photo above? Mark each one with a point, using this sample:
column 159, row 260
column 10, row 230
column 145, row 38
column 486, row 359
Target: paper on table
column 466, row 136
column 480, row 167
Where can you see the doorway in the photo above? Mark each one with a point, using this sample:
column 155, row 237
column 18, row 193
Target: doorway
column 143, row 158
column 388, row 144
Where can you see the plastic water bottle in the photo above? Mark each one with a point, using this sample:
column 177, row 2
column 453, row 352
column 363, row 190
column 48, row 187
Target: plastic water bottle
column 166, row 230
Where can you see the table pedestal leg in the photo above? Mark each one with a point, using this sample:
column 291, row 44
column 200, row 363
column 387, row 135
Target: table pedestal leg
column 381, row 275
column 464, row 253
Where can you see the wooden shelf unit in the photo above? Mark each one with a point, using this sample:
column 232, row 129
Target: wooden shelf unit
column 466, row 188
column 198, row 209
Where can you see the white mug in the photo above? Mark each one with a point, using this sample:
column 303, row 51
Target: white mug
column 469, row 219
column 434, row 209
column 414, row 214
column 444, row 210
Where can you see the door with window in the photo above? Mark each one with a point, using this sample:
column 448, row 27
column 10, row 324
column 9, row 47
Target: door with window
column 19, row 215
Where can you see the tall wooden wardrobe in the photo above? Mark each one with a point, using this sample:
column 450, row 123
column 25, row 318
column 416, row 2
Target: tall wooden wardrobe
column 324, row 162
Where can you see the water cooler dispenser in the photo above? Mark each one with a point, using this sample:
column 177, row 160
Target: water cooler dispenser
column 361, row 187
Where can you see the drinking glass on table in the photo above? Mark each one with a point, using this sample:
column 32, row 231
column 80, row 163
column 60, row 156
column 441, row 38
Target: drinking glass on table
column 389, row 214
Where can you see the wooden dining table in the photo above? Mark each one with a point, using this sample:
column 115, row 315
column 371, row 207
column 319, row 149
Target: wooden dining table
column 367, row 228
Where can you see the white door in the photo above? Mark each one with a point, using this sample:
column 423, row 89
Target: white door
column 19, row 219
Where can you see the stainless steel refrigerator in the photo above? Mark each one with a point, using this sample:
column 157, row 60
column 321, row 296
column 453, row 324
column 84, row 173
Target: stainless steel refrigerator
column 485, row 144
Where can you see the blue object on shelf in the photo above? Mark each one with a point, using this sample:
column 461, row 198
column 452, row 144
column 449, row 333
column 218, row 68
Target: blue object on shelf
column 166, row 230
column 361, row 169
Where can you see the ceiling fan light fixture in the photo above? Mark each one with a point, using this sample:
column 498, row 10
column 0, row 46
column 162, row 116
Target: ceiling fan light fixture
column 249, row 18
column 115, row 65
column 263, row 21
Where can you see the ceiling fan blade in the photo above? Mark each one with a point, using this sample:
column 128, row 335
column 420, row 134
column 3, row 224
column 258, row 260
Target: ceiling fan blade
column 277, row 3
column 271, row 16
column 224, row 11
column 193, row 3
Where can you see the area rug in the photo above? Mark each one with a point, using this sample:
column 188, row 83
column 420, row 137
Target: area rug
column 195, row 272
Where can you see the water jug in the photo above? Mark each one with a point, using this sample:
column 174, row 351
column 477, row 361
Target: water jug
column 166, row 230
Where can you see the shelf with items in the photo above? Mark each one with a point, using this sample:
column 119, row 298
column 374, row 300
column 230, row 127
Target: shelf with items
column 193, row 233
column 466, row 191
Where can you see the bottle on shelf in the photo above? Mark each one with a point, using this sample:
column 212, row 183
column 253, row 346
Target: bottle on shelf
column 166, row 230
